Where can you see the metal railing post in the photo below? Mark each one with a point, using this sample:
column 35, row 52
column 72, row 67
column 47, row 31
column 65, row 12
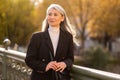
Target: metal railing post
column 6, row 42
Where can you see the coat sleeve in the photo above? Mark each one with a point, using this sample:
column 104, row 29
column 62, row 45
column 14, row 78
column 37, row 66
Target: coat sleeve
column 70, row 56
column 32, row 55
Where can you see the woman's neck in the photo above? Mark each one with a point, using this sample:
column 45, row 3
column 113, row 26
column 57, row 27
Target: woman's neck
column 54, row 28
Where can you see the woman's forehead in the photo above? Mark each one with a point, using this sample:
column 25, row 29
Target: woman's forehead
column 54, row 10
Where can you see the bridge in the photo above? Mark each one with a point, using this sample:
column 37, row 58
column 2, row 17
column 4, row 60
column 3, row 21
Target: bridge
column 13, row 67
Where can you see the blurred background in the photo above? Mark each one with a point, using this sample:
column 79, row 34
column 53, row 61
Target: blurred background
column 95, row 22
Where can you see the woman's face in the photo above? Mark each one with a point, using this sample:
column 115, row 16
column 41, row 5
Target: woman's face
column 54, row 18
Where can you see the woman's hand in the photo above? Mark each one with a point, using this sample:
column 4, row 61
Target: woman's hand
column 56, row 66
column 61, row 66
column 51, row 65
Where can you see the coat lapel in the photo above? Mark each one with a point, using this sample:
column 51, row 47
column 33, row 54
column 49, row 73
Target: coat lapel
column 60, row 44
column 49, row 42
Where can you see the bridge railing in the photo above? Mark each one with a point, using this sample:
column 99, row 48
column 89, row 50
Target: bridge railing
column 84, row 73
column 16, row 69
column 13, row 66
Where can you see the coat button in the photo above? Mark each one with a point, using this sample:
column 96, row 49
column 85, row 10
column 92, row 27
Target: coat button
column 63, row 57
column 43, row 59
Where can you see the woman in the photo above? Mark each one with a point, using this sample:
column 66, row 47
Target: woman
column 56, row 41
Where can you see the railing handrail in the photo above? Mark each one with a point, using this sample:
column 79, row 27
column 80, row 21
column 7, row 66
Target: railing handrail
column 103, row 75
column 13, row 53
column 76, row 69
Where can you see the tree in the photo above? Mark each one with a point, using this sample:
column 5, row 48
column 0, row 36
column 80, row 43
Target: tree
column 82, row 17
column 107, row 21
column 16, row 20
column 110, row 17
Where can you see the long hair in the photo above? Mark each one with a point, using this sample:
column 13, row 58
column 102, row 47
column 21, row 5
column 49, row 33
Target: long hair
column 64, row 25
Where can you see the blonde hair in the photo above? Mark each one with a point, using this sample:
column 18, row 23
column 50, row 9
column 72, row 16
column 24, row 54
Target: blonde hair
column 64, row 25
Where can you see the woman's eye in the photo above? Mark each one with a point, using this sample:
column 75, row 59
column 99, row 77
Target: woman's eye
column 49, row 14
column 52, row 14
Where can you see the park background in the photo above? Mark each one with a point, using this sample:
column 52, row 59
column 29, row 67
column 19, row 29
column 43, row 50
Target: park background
column 96, row 24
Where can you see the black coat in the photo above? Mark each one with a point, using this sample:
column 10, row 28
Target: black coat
column 38, row 54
